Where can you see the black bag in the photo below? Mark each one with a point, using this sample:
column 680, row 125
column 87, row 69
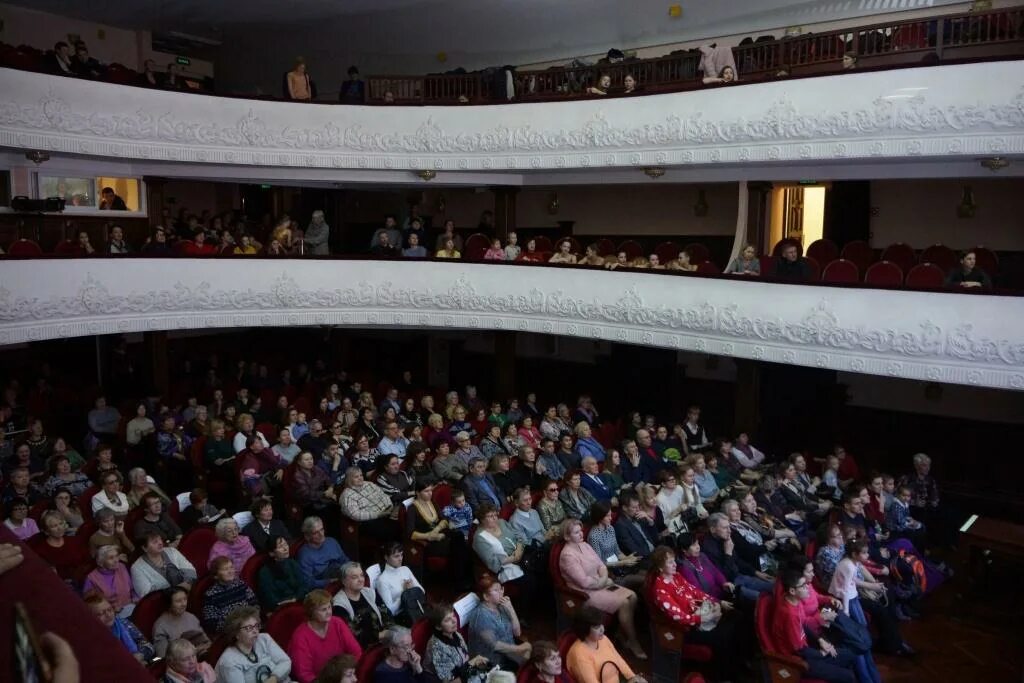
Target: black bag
column 412, row 603
column 850, row 634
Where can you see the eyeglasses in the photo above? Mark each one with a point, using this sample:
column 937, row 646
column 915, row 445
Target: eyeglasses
column 251, row 627
column 554, row 489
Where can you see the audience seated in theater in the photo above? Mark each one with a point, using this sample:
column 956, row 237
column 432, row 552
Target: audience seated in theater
column 500, row 470
column 319, row 638
column 591, row 258
column 415, row 249
column 352, row 89
column 224, row 595
column 156, row 520
column 200, row 511
column 198, row 246
column 575, row 499
column 584, row 571
column 791, row 266
column 117, row 244
column 110, row 578
column 139, row 427
column 726, row 75
column 448, row 466
column 398, row 587
column 564, row 253
column 493, row 628
column 160, row 567
column 594, row 483
column 604, row 84
column 177, row 622
column 249, row 650
column 566, row 455
column 110, row 531
column 231, row 544
column 746, row 263
column 139, row 487
column 586, row 444
column 84, row 65
column 298, row 82
column 480, row 487
column 447, row 654
column 62, row 478
column 368, row 504
column 720, row 548
column 547, row 664
column 849, row 61
column 448, row 234
column 531, row 254
column 122, row 629
column 588, row 659
column 708, row 621
column 280, row 581
column 498, row 545
column 401, row 664
column 968, row 275
column 156, row 244
column 60, row 62
column 495, row 252
column 362, row 609
column 183, row 665
column 18, row 521
column 390, row 229
column 320, row 557
column 448, row 250
column 150, row 78
column 110, row 495
column 550, row 509
column 635, row 529
column 512, row 248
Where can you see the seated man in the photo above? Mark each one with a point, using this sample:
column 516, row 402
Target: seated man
column 402, row 663
column 791, row 266
column 84, row 65
column 156, row 520
column 634, row 529
column 592, row 482
column 718, row 545
column 321, row 557
column 553, row 467
column 393, row 442
column 968, row 275
column 480, row 486
column 792, row 634
column 384, row 247
column 60, row 63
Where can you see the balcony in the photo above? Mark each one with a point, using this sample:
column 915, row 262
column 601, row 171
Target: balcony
column 973, row 340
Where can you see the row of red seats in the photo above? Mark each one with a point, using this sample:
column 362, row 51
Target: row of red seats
column 860, row 254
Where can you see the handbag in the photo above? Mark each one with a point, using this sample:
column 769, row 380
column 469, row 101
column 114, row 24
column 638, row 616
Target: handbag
column 851, row 635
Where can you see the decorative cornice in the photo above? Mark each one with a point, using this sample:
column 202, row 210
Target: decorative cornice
column 963, row 339
column 972, row 109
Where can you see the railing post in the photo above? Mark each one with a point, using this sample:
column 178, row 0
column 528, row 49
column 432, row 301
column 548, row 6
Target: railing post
column 940, row 39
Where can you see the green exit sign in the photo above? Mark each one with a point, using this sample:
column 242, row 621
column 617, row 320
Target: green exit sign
column 184, row 61
column 265, row 186
column 808, row 182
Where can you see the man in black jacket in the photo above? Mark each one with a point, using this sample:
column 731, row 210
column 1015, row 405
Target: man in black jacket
column 721, row 550
column 634, row 530
column 791, row 266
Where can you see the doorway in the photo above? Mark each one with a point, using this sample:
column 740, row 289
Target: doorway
column 798, row 213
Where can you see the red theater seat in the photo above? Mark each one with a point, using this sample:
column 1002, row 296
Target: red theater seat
column 698, row 252
column 667, row 251
column 823, row 251
column 884, row 274
column 901, row 254
column 632, row 248
column 841, row 271
column 986, row 260
column 24, row 247
column 861, row 253
column 941, row 255
column 926, row 276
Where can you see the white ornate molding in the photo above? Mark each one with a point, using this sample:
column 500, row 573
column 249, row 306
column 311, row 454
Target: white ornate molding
column 963, row 339
column 947, row 111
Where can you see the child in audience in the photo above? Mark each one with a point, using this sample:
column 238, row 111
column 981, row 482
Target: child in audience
column 495, row 253
column 888, row 491
column 459, row 513
column 512, row 249
column 830, row 478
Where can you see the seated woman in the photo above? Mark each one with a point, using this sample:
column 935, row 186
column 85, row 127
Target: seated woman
column 846, row 586
column 231, row 544
column 547, row 664
column 726, row 75
column 361, row 455
column 64, row 553
column 746, row 263
column 447, row 655
column 604, row 84
column 591, row 258
column 122, row 629
column 319, row 638
column 183, row 665
column 112, row 580
column 564, row 253
column 226, row 593
column 588, row 658
column 366, row 503
column 250, row 651
column 704, row 480
column 586, row 444
column 584, row 571
column 177, row 622
column 365, row 613
column 425, row 526
column 968, row 275
column 18, row 521
column 62, row 477
column 612, row 473
column 311, row 486
column 750, row 546
column 498, row 545
column 796, row 499
column 200, row 511
column 263, row 527
column 110, row 531
column 449, row 250
column 575, row 499
column 769, row 528
column 493, row 628
column 340, row 669
column 682, row 262
column 529, row 434
column 280, row 580
column 139, row 427
column 678, row 501
column 491, row 444
column 623, row 568
column 160, row 567
column 110, row 495
column 61, row 450
column 648, row 495
column 700, row 571
column 552, row 512
column 707, row 620
column 282, row 234
column 395, row 583
column 219, row 453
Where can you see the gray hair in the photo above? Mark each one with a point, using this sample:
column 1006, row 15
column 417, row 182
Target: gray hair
column 393, row 633
column 309, row 523
column 222, row 525
column 716, row 519
column 350, row 566
column 104, row 550
column 921, row 459
column 103, row 513
column 178, row 649
column 728, row 504
column 462, row 436
column 318, row 214
column 134, row 472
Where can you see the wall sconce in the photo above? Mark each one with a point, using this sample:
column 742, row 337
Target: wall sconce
column 441, row 204
column 654, row 172
column 37, row 157
column 553, row 204
column 994, row 164
column 426, row 174
column 966, row 207
column 700, row 209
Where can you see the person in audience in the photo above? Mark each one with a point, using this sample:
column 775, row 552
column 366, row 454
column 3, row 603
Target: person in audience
column 117, row 244
column 480, row 487
column 791, row 266
column 393, row 443
column 564, row 253
column 139, row 487
column 604, row 84
column 184, row 667
column 791, row 625
column 441, row 535
column 594, row 483
column 575, row 499
column 311, row 485
column 584, row 570
column 530, row 254
column 176, row 622
column 368, row 504
column 550, row 508
column 112, row 581
column 797, row 499
column 200, row 511
column 846, row 587
column 104, row 419
column 224, row 595
column 498, row 545
column 495, row 252
column 707, row 621
column 636, row 467
column 18, row 521
column 745, row 454
column 726, row 75
column 320, row 557
column 401, row 664
column 155, row 519
column 698, row 570
column 251, row 651
column 588, row 658
column 448, row 234
column 447, row 654
column 849, row 61
column 231, row 544
column 586, row 444
column 492, row 442
column 415, row 249
column 362, row 609
column 298, row 82
column 547, row 664
column 64, row 553
column 746, row 263
column 512, row 248
column 316, row 239
column 264, row 526
column 87, row 67
column 160, row 567
column 458, row 513
column 319, row 638
column 122, row 629
column 351, row 92
column 397, row 586
column 110, row 531
column 968, row 275
column 448, row 466
column 150, row 78
column 140, row 426
column 61, row 62
column 720, row 548
column 280, row 580
column 68, row 508
column 493, row 628
column 156, row 244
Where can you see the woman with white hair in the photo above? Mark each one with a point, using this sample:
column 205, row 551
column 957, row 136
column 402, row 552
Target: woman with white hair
column 183, row 667
column 231, row 544
column 112, row 580
column 317, row 235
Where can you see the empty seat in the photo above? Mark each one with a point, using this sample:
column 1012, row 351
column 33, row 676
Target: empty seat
column 632, row 248
column 884, row 274
column 840, row 270
column 926, row 276
column 698, row 252
column 667, row 251
column 987, row 260
column 941, row 255
column 476, row 245
column 708, row 268
column 901, row 254
column 24, row 247
column 823, row 251
column 605, row 247
column 815, row 268
column 543, row 243
column 861, row 253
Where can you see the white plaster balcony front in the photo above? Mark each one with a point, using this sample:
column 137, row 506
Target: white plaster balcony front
column 952, row 111
column 957, row 338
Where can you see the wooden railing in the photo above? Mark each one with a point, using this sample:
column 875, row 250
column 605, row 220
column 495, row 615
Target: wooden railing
column 974, row 35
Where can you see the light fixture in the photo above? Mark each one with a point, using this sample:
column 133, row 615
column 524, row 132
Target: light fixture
column 426, row 174
column 553, row 204
column 700, row 209
column 966, row 208
column 994, row 164
column 37, row 157
column 654, row 172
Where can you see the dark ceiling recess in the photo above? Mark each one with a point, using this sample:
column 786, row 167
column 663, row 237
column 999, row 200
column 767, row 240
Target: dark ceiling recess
column 196, row 47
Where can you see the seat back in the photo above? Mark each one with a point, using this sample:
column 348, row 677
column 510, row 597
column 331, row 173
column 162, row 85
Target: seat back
column 814, row 267
column 421, row 632
column 370, row 660
column 884, row 274
column 861, row 253
column 195, row 546
column 987, row 260
column 823, row 251
column 841, row 270
column 605, row 247
column 785, row 242
column 197, row 595
column 901, row 254
column 926, row 276
column 939, row 254
column 147, row 611
column 698, row 252
column 251, row 569
column 282, row 623
column 475, row 246
column 708, row 268
column 85, row 502
column 24, row 247
column 667, row 251
column 633, row 249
